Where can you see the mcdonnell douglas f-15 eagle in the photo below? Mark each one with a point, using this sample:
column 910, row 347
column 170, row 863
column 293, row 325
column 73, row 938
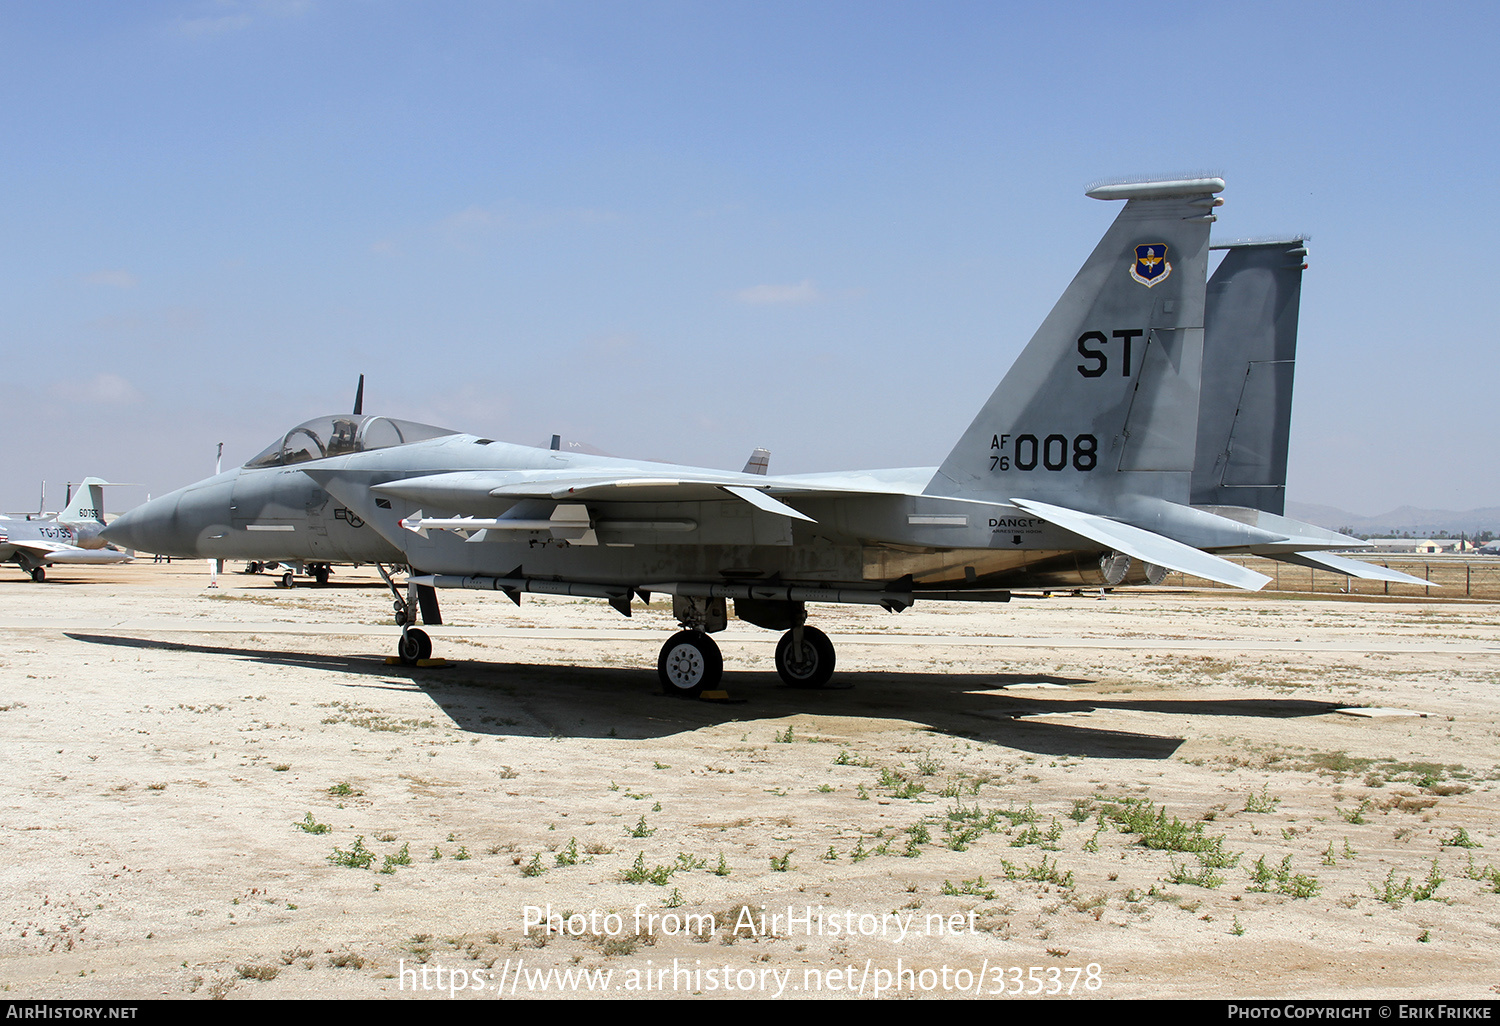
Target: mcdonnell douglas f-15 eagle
column 1079, row 471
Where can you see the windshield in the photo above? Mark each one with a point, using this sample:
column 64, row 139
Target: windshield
column 341, row 435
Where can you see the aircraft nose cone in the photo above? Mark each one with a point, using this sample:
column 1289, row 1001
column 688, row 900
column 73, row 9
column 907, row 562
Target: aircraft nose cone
column 147, row 527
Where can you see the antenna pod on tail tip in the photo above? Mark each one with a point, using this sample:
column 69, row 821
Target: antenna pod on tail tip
column 1156, row 190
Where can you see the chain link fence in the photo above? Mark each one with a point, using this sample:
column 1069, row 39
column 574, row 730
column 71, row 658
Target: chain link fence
column 1476, row 577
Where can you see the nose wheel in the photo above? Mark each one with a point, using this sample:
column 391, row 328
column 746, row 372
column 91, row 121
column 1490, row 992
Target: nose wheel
column 414, row 646
column 690, row 663
column 806, row 662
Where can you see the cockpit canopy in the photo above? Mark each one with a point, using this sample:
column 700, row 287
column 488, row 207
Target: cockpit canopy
column 340, row 435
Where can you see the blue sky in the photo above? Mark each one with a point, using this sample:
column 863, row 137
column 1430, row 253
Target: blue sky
column 683, row 230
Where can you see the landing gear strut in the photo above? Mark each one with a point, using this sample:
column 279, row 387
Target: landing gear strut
column 805, row 661
column 415, row 644
column 690, row 662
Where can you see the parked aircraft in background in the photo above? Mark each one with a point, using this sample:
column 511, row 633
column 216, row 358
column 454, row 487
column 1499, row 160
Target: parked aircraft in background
column 1079, row 471
column 72, row 537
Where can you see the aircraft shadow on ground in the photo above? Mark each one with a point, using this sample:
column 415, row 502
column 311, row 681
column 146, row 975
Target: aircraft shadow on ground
column 527, row 699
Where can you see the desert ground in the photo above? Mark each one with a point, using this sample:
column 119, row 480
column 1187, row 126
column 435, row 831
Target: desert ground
column 1157, row 793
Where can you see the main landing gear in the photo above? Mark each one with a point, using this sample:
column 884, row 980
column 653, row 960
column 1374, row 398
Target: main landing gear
column 690, row 662
column 38, row 574
column 806, row 661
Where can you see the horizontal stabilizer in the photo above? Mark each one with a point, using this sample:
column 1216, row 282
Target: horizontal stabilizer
column 1350, row 567
column 1147, row 546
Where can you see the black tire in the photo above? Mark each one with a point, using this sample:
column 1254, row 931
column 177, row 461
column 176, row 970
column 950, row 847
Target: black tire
column 39, row 575
column 320, row 574
column 813, row 666
column 287, row 579
column 254, row 568
column 690, row 663
column 414, row 646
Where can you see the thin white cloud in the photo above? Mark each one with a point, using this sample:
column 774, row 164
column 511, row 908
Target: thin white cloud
column 233, row 15
column 104, row 387
column 770, row 295
column 119, row 279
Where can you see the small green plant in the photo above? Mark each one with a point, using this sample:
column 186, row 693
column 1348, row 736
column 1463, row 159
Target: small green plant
column 1237, row 929
column 462, row 855
column 356, row 857
column 639, row 872
column 785, row 737
column 1461, row 840
column 401, row 858
column 1205, row 877
column 830, row 855
column 976, row 887
column 843, row 758
column 1390, row 892
column 1427, row 888
column 436, row 855
column 1282, row 880
column 1424, row 937
column 722, row 869
column 343, row 790
column 673, row 900
column 640, row 829
column 1262, row 802
column 1354, row 816
column 569, row 855
column 312, row 826
column 782, row 864
column 534, row 867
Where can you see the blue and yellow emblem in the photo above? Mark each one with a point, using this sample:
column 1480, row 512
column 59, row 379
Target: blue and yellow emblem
column 1151, row 267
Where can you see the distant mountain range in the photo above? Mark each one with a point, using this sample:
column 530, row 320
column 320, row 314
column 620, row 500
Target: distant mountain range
column 1420, row 522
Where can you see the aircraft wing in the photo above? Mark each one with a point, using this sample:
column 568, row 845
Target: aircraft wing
column 1350, row 567
column 43, row 548
column 475, row 490
column 1146, row 545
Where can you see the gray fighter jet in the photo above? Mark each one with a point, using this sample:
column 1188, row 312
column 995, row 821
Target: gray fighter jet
column 1077, row 472
column 72, row 537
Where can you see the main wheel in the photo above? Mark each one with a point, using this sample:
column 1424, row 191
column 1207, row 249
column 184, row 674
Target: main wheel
column 287, row 580
column 254, row 568
column 809, row 668
column 690, row 664
column 39, row 575
column 414, row 646
column 320, row 574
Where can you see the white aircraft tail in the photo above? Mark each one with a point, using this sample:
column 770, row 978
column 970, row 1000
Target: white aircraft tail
column 87, row 504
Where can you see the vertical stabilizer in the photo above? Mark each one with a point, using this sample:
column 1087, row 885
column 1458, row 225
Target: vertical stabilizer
column 1103, row 401
column 1249, row 355
column 87, row 505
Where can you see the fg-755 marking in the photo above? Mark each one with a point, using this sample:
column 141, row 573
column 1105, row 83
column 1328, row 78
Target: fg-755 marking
column 1099, row 357
column 1051, row 452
